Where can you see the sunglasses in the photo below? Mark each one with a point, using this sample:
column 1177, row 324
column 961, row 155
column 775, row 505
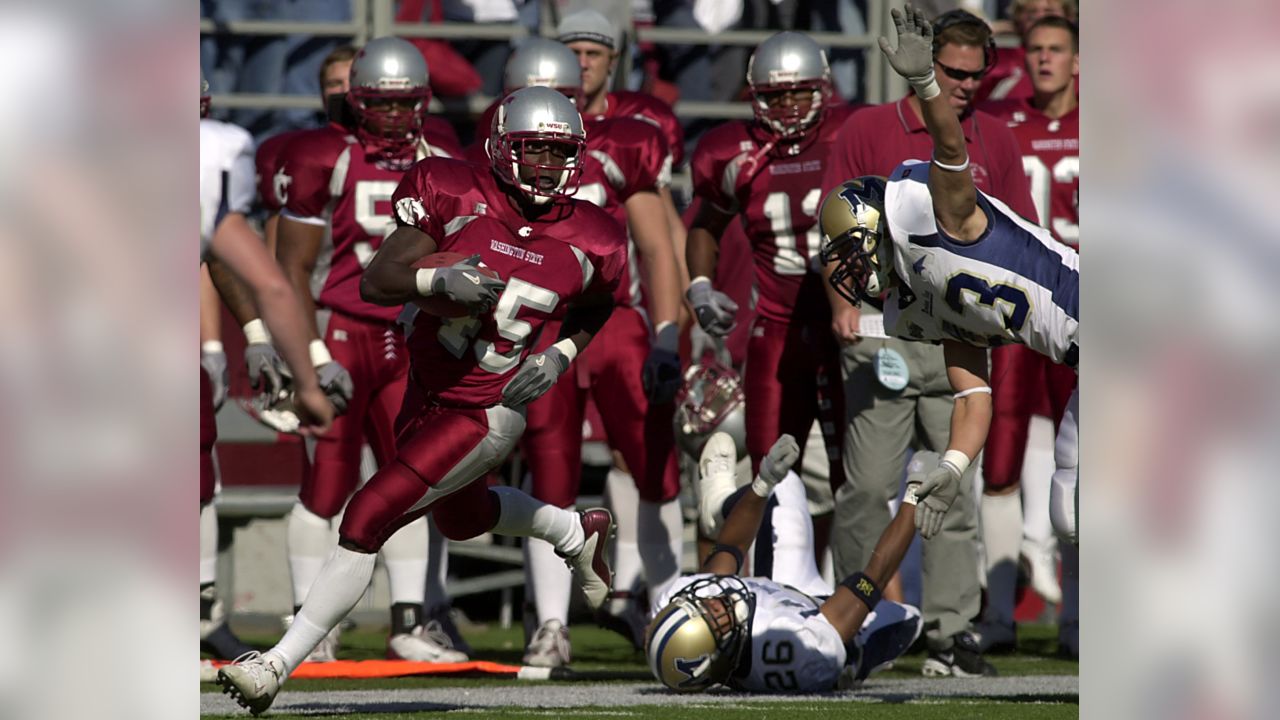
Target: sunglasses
column 961, row 75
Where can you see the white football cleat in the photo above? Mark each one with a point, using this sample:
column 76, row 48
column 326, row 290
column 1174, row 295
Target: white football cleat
column 716, row 481
column 425, row 643
column 589, row 565
column 252, row 680
column 549, row 647
column 1042, row 565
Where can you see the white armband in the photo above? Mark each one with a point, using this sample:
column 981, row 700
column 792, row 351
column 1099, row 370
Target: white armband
column 567, row 348
column 951, row 168
column 319, row 353
column 925, row 86
column 972, row 391
column 958, row 459
column 255, row 332
column 211, row 347
column 423, row 279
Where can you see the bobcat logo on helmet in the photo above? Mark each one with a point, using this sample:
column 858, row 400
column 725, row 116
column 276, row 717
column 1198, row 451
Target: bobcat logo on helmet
column 697, row 640
column 856, row 239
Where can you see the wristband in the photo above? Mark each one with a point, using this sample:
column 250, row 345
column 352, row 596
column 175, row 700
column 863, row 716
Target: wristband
column 319, row 353
column 957, row 459
column 255, row 332
column 863, row 588
column 423, row 279
column 951, row 168
column 211, row 347
column 760, row 487
column 567, row 348
column 972, row 391
column 926, row 86
column 732, row 550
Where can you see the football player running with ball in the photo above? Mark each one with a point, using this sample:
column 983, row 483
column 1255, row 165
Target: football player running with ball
column 472, row 375
column 959, row 267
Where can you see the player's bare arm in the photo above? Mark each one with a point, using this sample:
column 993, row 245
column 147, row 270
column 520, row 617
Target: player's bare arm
column 260, row 356
column 955, row 198
column 298, row 247
column 971, row 416
column 715, row 310
column 238, row 298
column 743, row 521
column 680, row 244
column 236, row 244
column 848, row 606
column 650, row 231
column 390, row 278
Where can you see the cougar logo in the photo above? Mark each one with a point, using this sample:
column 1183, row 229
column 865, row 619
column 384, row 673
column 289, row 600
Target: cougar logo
column 280, row 183
column 525, row 231
column 410, row 210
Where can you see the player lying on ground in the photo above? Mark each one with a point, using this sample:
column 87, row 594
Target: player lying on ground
column 790, row 632
column 958, row 266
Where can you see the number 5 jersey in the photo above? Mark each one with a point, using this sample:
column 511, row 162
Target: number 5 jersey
column 1016, row 284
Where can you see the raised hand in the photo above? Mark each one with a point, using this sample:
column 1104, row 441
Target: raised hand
column 913, row 58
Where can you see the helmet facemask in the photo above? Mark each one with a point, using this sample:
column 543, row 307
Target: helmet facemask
column 863, row 262
column 784, row 117
column 544, row 166
column 390, row 120
column 697, row 641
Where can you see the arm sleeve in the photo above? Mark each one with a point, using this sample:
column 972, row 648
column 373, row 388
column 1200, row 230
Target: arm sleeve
column 309, row 177
column 708, row 171
column 241, row 187
column 415, row 201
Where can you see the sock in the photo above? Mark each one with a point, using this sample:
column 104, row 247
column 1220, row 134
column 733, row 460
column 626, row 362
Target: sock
column 1001, row 536
column 550, row 581
column 208, row 544
column 437, row 566
column 405, row 556
column 1069, row 611
column 522, row 515
column 1037, row 477
column 309, row 540
column 339, row 586
column 660, row 538
column 208, row 595
column 624, row 501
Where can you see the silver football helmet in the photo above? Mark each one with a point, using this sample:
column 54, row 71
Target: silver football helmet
column 537, row 144
column 711, row 400
column 540, row 62
column 855, row 237
column 697, row 640
column 390, row 91
column 787, row 62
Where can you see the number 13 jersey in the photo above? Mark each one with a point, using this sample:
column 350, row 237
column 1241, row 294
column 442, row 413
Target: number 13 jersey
column 573, row 250
column 1016, row 284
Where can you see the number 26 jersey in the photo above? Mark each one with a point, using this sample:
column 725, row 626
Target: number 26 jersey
column 1016, row 284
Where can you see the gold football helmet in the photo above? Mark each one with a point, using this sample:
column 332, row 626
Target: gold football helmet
column 697, row 640
column 855, row 236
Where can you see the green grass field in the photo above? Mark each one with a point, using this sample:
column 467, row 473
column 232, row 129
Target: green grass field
column 595, row 648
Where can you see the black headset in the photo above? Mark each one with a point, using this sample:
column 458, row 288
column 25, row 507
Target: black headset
column 952, row 18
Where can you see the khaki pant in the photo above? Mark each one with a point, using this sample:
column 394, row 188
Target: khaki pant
column 882, row 425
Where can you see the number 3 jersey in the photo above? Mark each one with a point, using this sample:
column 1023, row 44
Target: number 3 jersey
column 776, row 194
column 1016, row 284
column 572, row 251
column 793, row 647
column 327, row 178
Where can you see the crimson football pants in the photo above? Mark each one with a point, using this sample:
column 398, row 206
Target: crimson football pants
column 792, row 377
column 208, row 436
column 1023, row 383
column 443, row 456
column 375, row 355
column 610, row 371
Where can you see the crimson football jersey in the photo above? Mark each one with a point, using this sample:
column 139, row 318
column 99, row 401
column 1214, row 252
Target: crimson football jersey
column 572, row 250
column 1051, row 159
column 330, row 180
column 643, row 106
column 777, row 201
column 273, row 187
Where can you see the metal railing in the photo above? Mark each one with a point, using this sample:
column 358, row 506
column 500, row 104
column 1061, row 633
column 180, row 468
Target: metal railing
column 375, row 18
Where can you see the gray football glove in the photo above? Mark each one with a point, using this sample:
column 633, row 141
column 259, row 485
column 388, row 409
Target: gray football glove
column 337, row 385
column 936, row 485
column 776, row 465
column 464, row 284
column 714, row 309
column 215, row 365
column 536, row 376
column 264, row 366
column 913, row 58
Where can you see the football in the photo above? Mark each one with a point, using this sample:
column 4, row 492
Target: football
column 441, row 305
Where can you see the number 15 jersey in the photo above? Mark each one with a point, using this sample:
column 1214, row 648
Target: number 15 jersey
column 1016, row 284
